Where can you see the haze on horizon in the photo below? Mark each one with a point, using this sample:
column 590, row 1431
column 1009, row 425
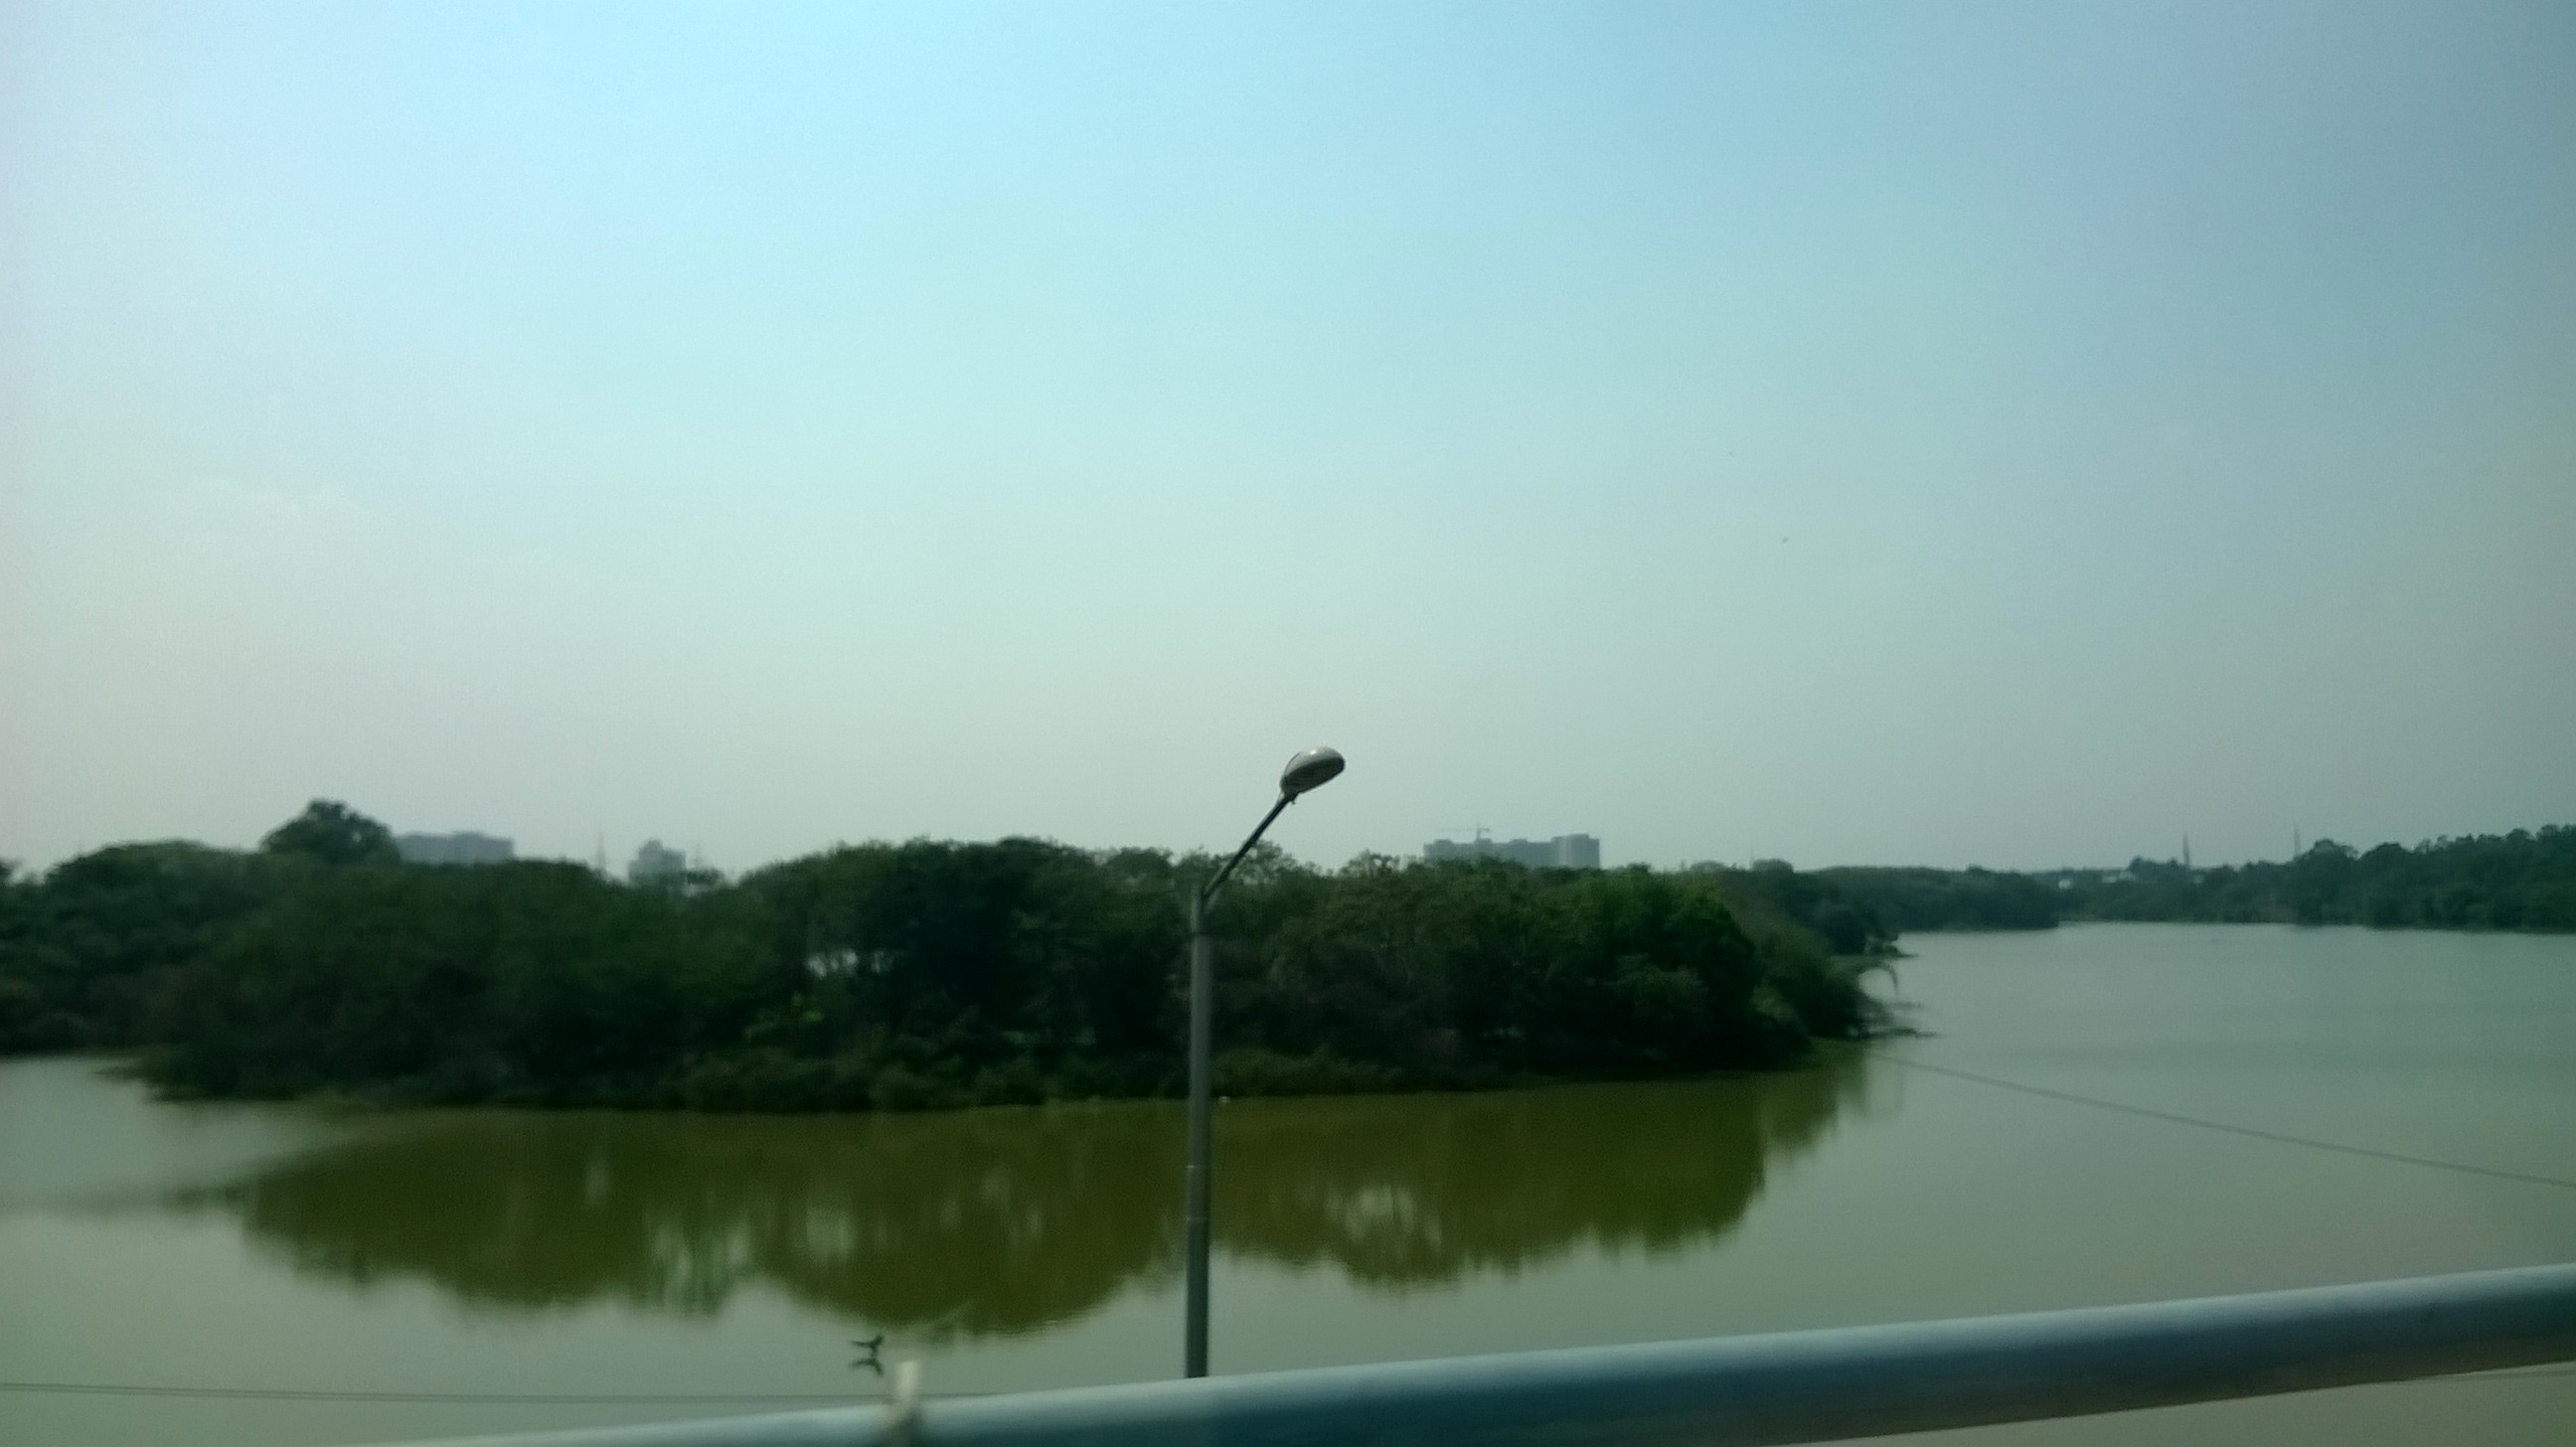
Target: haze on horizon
column 2018, row 434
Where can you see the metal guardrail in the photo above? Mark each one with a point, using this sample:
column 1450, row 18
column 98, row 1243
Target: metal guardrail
column 1807, row 1386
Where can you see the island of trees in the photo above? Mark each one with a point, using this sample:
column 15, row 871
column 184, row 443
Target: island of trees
column 930, row 974
column 892, row 976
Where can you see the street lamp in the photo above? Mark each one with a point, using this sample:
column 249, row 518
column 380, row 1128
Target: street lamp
column 1309, row 770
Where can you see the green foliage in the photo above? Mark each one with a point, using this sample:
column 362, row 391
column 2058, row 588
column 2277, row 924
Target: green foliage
column 21, row 1002
column 1848, row 920
column 2518, row 881
column 330, row 832
column 905, row 976
column 2524, row 880
column 1946, row 899
column 1255, row 1071
column 88, row 953
column 522, row 982
column 927, row 975
column 1463, row 972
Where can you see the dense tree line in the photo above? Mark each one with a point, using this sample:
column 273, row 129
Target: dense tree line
column 2517, row 881
column 888, row 975
column 1860, row 910
column 1848, row 921
column 1946, row 899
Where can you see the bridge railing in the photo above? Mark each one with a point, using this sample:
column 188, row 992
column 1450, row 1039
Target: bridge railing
column 1807, row 1386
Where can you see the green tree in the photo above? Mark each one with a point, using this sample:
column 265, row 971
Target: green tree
column 333, row 833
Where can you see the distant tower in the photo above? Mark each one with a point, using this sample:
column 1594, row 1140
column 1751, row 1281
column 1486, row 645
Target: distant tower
column 2294, row 841
column 2186, row 851
column 656, row 864
column 599, row 861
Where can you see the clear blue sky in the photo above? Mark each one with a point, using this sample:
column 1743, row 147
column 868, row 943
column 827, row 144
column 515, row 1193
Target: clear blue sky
column 1942, row 433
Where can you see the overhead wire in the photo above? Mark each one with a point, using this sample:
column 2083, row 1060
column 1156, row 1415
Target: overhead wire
column 2252, row 1132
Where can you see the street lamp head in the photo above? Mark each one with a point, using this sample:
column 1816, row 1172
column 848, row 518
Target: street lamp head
column 1309, row 770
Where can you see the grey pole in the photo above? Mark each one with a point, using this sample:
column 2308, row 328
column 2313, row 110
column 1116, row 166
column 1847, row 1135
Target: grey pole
column 1202, row 1027
column 1308, row 770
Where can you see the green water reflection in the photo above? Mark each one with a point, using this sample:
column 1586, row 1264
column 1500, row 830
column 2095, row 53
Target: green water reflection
column 1003, row 1222
column 244, row 1246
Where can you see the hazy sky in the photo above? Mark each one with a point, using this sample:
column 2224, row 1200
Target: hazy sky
column 1943, row 433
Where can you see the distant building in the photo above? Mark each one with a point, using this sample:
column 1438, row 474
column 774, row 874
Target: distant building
column 1565, row 851
column 656, row 865
column 463, row 847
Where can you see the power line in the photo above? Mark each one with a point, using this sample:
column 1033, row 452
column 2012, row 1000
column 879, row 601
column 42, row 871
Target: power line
column 2280, row 1137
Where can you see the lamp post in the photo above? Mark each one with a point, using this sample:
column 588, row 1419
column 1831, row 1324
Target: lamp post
column 1306, row 771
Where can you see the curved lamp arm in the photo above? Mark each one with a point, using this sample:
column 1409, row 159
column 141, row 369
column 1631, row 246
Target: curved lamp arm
column 1309, row 770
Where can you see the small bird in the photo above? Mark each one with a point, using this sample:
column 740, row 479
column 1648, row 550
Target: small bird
column 869, row 1350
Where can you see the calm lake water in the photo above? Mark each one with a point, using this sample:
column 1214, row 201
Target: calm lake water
column 454, row 1264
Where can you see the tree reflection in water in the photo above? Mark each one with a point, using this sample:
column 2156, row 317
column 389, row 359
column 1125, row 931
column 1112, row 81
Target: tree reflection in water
column 1000, row 1222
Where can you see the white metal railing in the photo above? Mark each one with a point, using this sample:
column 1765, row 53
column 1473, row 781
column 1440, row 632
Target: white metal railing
column 1808, row 1386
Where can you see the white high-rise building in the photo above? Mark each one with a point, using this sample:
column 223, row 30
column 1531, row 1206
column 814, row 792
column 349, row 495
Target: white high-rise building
column 1565, row 851
column 654, row 863
column 462, row 847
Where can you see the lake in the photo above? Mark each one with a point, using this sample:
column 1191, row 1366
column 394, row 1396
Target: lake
column 218, row 1274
